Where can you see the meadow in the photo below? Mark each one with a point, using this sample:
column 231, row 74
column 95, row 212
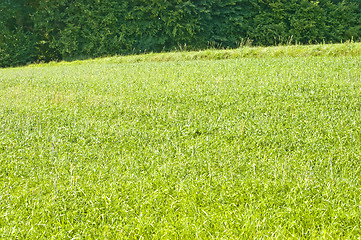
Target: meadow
column 233, row 144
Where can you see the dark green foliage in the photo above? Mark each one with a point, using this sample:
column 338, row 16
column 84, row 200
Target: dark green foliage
column 17, row 48
column 43, row 30
column 17, row 38
column 228, row 22
column 71, row 29
column 162, row 25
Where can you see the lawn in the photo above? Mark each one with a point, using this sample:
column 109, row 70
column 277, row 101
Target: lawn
column 202, row 145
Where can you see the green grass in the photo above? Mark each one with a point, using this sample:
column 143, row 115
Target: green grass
column 128, row 148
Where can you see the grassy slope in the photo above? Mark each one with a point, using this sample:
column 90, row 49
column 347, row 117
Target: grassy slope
column 236, row 148
column 325, row 50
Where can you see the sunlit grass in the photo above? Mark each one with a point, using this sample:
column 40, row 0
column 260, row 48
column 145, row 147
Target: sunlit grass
column 239, row 148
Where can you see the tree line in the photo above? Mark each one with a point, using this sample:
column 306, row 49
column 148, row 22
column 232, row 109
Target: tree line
column 46, row 30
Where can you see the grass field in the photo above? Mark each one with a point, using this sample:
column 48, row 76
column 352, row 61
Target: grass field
column 162, row 146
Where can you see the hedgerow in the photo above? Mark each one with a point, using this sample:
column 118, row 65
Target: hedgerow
column 41, row 30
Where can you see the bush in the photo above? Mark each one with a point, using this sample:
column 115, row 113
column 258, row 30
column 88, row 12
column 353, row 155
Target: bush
column 17, row 48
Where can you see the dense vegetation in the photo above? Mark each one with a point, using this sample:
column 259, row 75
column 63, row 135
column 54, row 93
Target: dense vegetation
column 259, row 147
column 42, row 30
